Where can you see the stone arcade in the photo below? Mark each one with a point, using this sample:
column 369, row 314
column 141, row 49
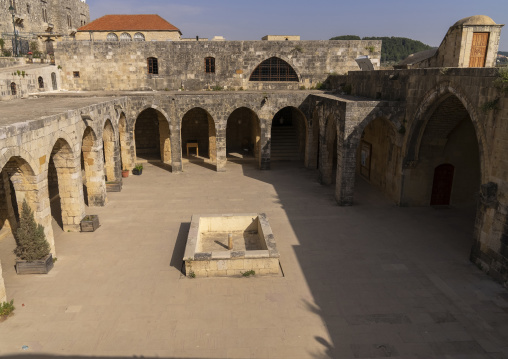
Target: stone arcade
column 419, row 135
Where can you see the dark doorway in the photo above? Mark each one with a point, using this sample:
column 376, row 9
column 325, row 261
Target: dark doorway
column 442, row 185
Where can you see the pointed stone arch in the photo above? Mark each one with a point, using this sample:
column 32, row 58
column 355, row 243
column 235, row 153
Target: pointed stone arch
column 19, row 182
column 430, row 102
column 289, row 131
column 198, row 131
column 152, row 135
column 243, row 133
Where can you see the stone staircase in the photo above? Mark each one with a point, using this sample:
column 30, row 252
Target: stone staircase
column 284, row 144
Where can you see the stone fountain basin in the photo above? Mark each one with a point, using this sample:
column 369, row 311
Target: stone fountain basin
column 207, row 253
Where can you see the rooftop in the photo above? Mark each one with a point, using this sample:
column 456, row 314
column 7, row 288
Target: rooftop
column 129, row 23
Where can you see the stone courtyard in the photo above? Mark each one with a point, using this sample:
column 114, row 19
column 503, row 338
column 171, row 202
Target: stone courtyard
column 372, row 280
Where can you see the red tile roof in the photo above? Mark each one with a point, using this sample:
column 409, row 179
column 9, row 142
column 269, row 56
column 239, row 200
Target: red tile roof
column 129, row 23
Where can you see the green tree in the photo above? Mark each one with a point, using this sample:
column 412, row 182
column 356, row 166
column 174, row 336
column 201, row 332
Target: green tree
column 346, row 37
column 30, row 237
column 393, row 49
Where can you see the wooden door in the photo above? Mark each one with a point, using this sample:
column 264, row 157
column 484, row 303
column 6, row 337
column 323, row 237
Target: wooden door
column 442, row 186
column 479, row 49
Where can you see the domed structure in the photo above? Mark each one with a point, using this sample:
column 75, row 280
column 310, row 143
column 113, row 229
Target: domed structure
column 475, row 20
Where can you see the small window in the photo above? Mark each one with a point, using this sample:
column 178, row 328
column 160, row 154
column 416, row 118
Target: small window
column 125, row 37
column 75, row 74
column 28, row 8
column 69, row 20
column 41, row 82
column 44, row 15
column 153, row 66
column 13, row 89
column 111, row 37
column 210, row 65
column 139, row 37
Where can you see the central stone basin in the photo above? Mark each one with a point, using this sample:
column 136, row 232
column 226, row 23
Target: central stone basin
column 208, row 252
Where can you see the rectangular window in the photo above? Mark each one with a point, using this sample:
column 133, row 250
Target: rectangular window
column 153, row 66
column 210, row 65
column 75, row 74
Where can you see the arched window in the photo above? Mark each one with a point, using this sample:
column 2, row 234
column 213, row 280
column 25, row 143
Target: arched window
column 41, row 82
column 274, row 69
column 13, row 89
column 111, row 37
column 210, row 65
column 153, row 66
column 139, row 37
column 125, row 37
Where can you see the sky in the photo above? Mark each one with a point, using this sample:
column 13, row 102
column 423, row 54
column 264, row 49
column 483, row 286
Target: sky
column 426, row 21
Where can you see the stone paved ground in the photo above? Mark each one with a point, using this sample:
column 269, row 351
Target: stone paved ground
column 372, row 280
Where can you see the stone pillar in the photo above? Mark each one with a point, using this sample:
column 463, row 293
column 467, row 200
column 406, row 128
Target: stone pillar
column 325, row 165
column 109, row 155
column 212, row 141
column 165, row 141
column 220, row 145
column 94, row 174
column 265, row 144
column 125, row 136
column 176, row 150
column 70, row 189
column 7, row 215
column 117, row 162
column 3, row 293
column 346, row 173
column 40, row 204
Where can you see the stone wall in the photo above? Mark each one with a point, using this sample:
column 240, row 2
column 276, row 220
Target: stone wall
column 476, row 94
column 30, row 22
column 123, row 65
column 27, row 81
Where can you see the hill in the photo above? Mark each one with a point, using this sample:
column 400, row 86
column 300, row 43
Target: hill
column 394, row 49
column 504, row 53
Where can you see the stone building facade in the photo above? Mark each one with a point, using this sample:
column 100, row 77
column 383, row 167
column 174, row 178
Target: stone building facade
column 470, row 42
column 423, row 137
column 183, row 65
column 46, row 21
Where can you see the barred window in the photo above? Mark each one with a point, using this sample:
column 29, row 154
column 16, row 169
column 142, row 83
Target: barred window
column 274, row 69
column 153, row 66
column 13, row 89
column 139, row 37
column 125, row 37
column 112, row 37
column 210, row 65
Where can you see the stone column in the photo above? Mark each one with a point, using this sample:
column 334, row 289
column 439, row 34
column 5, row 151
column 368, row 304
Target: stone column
column 220, row 141
column 70, row 189
column 346, row 173
column 117, row 162
column 265, row 143
column 94, row 173
column 7, row 215
column 42, row 209
column 3, row 294
column 165, row 141
column 176, row 150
